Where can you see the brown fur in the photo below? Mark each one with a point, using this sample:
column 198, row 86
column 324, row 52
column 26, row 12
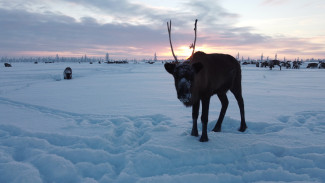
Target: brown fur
column 214, row 74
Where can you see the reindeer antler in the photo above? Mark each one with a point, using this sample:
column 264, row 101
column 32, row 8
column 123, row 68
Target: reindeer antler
column 169, row 27
column 193, row 44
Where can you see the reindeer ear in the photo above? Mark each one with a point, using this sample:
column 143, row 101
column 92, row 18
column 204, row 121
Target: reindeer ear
column 170, row 67
column 197, row 67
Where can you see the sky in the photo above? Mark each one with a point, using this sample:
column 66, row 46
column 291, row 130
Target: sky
column 136, row 29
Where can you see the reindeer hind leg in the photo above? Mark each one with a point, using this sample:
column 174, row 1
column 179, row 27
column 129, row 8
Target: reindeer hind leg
column 224, row 105
column 240, row 101
column 238, row 95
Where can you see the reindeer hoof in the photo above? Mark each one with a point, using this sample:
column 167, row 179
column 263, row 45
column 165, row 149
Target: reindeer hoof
column 204, row 139
column 242, row 128
column 217, row 129
column 195, row 133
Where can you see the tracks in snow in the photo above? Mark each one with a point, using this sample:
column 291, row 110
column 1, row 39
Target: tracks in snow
column 107, row 153
column 123, row 150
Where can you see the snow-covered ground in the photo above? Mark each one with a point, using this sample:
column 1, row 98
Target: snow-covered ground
column 123, row 123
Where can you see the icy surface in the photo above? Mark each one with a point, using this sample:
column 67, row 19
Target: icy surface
column 123, row 123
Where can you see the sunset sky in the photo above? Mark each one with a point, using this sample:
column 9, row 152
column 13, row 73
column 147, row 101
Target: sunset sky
column 137, row 28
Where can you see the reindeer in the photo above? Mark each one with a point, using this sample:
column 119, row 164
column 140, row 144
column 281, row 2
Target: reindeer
column 202, row 76
column 321, row 65
column 67, row 73
column 257, row 64
column 312, row 65
column 288, row 65
column 272, row 63
column 295, row 65
column 264, row 64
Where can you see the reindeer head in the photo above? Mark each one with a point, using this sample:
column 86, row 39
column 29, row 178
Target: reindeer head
column 184, row 75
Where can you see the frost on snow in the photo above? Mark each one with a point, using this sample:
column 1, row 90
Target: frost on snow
column 123, row 123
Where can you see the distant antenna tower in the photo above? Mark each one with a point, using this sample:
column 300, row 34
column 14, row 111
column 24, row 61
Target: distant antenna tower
column 237, row 57
column 86, row 58
column 276, row 56
column 155, row 57
column 107, row 57
column 262, row 57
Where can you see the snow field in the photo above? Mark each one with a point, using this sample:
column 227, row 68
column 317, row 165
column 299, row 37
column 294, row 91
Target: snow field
column 123, row 123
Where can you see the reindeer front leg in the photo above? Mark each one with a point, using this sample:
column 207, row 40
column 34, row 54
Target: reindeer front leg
column 204, row 119
column 195, row 115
